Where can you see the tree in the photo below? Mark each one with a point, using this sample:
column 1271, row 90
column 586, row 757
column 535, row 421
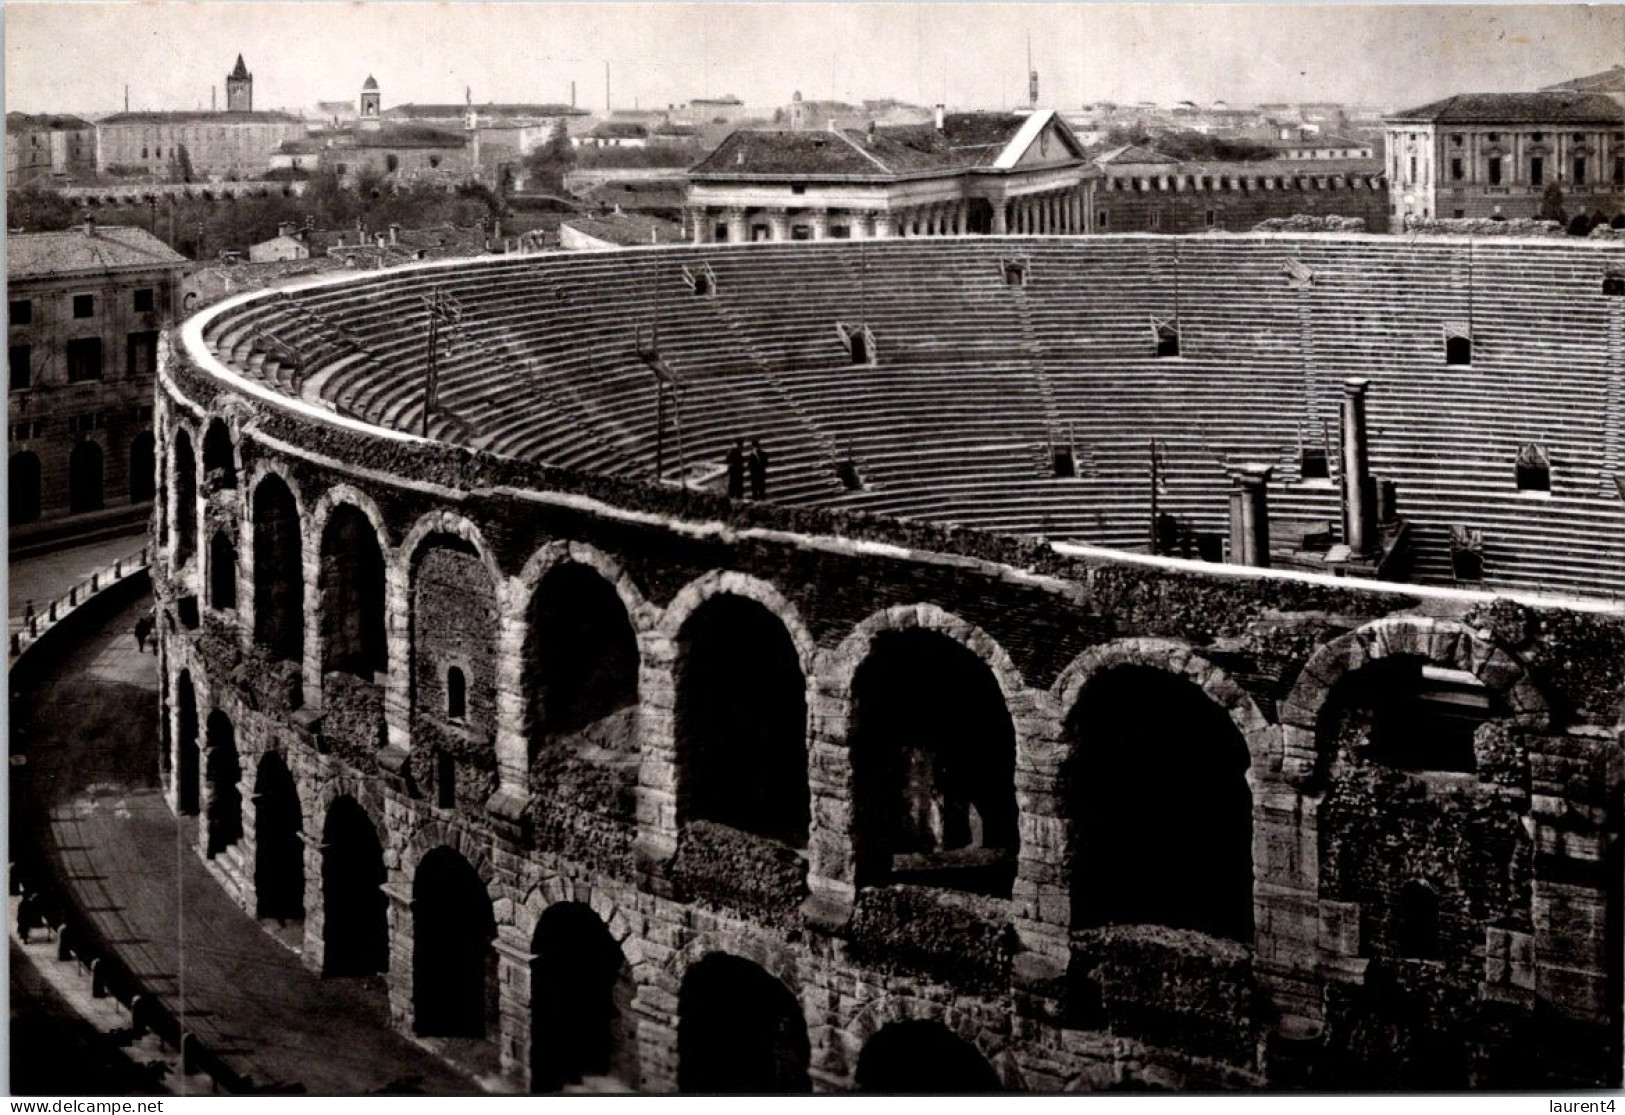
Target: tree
column 1551, row 205
column 549, row 163
column 180, row 164
column 1580, row 226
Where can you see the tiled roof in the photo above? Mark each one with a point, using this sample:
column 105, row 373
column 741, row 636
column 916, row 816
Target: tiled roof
column 620, row 129
column 1551, row 107
column 1261, row 168
column 31, row 255
column 199, row 117
column 24, row 121
column 370, row 83
column 1133, row 155
column 409, row 135
column 240, row 72
column 447, row 111
column 753, row 152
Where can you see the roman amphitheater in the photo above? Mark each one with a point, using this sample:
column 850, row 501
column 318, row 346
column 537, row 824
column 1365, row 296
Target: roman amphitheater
column 966, row 759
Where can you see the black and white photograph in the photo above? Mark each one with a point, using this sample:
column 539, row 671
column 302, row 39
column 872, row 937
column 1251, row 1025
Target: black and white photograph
column 915, row 549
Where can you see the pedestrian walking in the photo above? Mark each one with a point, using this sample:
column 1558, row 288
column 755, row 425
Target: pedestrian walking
column 757, row 461
column 736, row 470
column 143, row 629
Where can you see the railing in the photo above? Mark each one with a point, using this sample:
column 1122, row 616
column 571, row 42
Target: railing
column 33, row 623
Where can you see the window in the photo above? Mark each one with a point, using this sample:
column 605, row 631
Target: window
column 1460, row 213
column 445, row 780
column 1412, row 176
column 1167, row 337
column 1458, row 348
column 1537, row 171
column 1455, row 170
column 1619, row 170
column 1455, row 141
column 1312, row 463
column 1156, row 218
column 1536, row 137
column 143, row 300
column 456, row 694
column 1015, row 272
column 20, row 362
column 1579, row 170
column 840, row 232
column 702, row 283
column 860, row 347
column 1534, row 469
column 392, row 163
column 84, row 305
column 1210, row 217
column 1495, row 170
column 21, row 311
column 84, row 359
column 1493, row 137
column 1103, row 219
column 1415, row 924
column 719, row 232
column 141, row 354
column 434, row 161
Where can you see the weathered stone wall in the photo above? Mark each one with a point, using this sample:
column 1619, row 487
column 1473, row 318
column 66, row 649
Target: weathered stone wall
column 1521, row 851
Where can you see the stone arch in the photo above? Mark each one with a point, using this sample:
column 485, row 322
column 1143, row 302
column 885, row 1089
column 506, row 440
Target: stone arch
column 188, row 748
column 355, row 916
column 449, row 522
column 223, row 772
column 1449, row 643
column 277, row 562
column 740, row 1029
column 279, row 846
column 353, row 639
column 454, row 929
column 718, row 581
column 437, row 834
column 1151, row 712
column 581, row 993
column 347, row 495
column 920, row 1056
column 183, row 474
column 221, row 454
column 948, row 801
column 543, row 561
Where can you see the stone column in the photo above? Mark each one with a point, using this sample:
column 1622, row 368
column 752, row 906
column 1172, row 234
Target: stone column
column 512, row 743
column 513, row 993
column 738, row 230
column 961, row 218
column 399, row 913
column 885, row 227
column 310, row 550
column 1358, row 501
column 820, row 224
column 396, row 680
column 702, row 225
column 778, row 222
column 862, row 224
column 656, row 790
column 1001, row 220
column 1251, row 545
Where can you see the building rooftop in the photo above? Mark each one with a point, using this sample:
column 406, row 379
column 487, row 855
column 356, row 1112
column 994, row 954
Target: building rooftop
column 200, row 117
column 410, row 135
column 36, row 255
column 966, row 140
column 26, row 121
column 620, row 129
column 628, row 229
column 1548, row 107
column 240, row 71
column 370, row 83
column 450, row 111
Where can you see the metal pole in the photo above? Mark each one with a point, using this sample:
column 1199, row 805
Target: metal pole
column 1153, row 497
column 660, row 429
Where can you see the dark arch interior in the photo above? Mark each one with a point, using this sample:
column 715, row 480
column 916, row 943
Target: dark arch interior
column 189, row 762
column 1413, row 716
column 355, row 925
column 279, row 851
column 742, row 721
column 1414, row 929
column 23, row 488
column 222, row 571
column 279, row 576
column 85, row 473
column 353, row 595
column 577, row 1024
column 583, row 653
column 923, row 1058
column 1157, row 787
column 219, row 460
column 933, row 755
column 454, row 620
column 224, row 770
column 185, row 497
column 739, row 1030
column 453, row 963
column 143, row 479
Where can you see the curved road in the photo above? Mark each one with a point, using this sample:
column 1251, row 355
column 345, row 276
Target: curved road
column 90, row 797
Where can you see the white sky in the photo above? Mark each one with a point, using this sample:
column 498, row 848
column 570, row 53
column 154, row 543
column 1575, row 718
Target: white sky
column 77, row 57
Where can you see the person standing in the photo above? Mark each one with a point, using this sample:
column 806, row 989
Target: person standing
column 736, row 470
column 758, row 470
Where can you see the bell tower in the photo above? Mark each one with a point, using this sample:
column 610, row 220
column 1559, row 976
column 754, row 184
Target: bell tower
column 371, row 115
column 240, row 88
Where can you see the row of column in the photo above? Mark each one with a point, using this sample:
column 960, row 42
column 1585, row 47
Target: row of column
column 1057, row 213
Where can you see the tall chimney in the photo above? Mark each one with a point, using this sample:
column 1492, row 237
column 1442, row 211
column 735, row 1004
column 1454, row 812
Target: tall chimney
column 211, row 98
column 1250, row 517
column 1359, row 497
column 572, row 94
column 940, row 111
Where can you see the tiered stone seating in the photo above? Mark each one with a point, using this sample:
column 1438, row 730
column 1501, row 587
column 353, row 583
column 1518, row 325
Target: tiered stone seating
column 555, row 358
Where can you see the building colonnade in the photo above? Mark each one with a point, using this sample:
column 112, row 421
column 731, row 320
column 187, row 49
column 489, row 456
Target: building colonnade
column 1060, row 212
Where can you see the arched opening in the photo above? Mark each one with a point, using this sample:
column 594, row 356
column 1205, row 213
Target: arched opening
column 456, row 694
column 352, row 594
column 742, row 721
column 279, row 848
column 582, row 656
column 923, row 1058
column 188, row 762
column 453, row 963
column 355, row 922
column 223, row 770
column 933, row 760
column 219, row 457
column 143, row 475
column 858, row 342
column 85, row 475
column 1414, row 927
column 739, row 1030
column 1404, row 712
column 279, row 573
column 185, row 468
column 1187, row 862
column 579, row 998
column 222, row 572
column 23, row 488
column 1458, row 349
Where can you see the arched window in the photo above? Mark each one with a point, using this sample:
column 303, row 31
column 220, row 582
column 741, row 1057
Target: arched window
column 279, row 572
column 742, row 721
column 279, row 849
column 143, row 478
column 85, row 478
column 580, row 1000
column 456, row 694
column 453, row 963
column 223, row 770
column 1187, row 863
column 219, row 457
column 859, row 345
column 222, row 572
column 355, row 926
column 189, row 760
column 739, row 1030
column 933, row 763
column 1415, row 922
column 352, row 596
column 581, row 658
column 23, row 488
column 1534, row 469
column 184, row 464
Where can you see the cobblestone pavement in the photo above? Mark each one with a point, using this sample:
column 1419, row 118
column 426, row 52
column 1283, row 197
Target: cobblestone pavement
column 90, row 790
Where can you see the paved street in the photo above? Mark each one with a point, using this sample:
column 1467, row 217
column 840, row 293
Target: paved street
column 90, row 734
